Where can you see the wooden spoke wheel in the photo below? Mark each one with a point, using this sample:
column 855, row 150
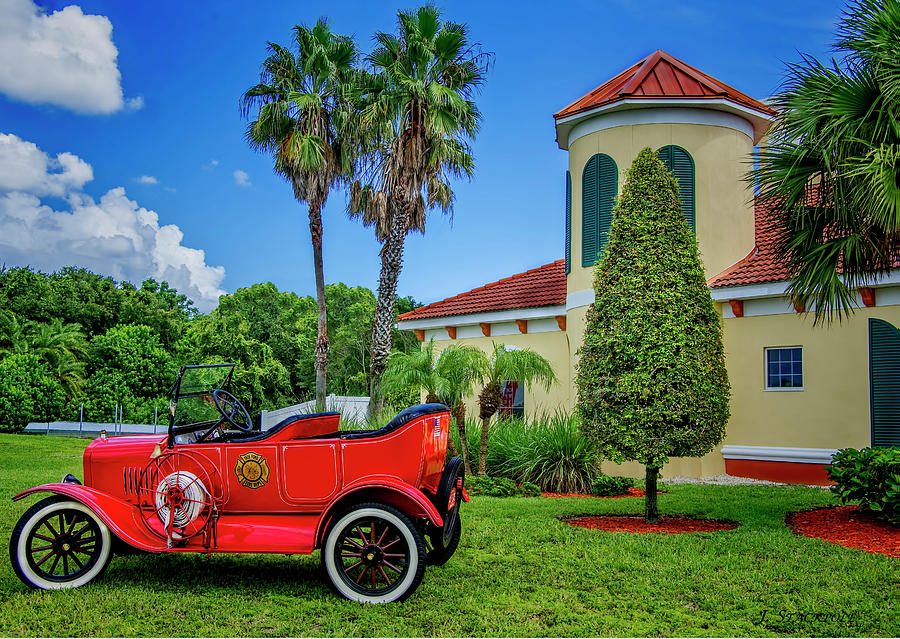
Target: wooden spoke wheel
column 373, row 554
column 59, row 543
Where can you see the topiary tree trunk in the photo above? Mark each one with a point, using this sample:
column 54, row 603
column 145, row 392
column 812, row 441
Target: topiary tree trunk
column 651, row 512
column 651, row 378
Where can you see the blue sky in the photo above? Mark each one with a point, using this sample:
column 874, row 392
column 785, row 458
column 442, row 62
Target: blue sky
column 121, row 142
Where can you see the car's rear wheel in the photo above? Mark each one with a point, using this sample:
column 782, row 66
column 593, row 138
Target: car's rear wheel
column 59, row 543
column 372, row 553
column 449, row 497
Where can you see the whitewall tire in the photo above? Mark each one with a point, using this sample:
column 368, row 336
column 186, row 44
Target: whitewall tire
column 59, row 543
column 372, row 553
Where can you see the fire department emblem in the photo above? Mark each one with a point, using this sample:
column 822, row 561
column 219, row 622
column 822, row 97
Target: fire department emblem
column 252, row 470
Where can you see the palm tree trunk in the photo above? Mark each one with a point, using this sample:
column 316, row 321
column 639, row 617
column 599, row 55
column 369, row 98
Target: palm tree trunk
column 385, row 306
column 651, row 513
column 321, row 364
column 459, row 412
column 488, row 401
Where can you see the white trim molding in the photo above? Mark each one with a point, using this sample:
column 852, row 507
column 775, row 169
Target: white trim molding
column 580, row 298
column 492, row 317
column 780, row 454
column 778, row 289
column 749, row 121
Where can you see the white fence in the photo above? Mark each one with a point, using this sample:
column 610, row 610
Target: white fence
column 352, row 409
column 92, row 429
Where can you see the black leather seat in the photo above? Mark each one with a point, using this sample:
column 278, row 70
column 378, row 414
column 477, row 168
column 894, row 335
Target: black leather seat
column 403, row 417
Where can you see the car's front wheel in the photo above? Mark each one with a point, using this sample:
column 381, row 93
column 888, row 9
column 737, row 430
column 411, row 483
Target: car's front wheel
column 373, row 553
column 59, row 543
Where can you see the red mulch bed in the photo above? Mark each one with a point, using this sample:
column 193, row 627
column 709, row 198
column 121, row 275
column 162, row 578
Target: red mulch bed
column 636, row 524
column 849, row 527
column 632, row 492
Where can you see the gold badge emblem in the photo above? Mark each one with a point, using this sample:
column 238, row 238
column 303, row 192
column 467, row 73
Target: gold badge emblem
column 252, row 470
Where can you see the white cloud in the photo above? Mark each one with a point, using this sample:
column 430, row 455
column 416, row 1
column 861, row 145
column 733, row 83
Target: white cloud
column 24, row 167
column 64, row 58
column 241, row 178
column 147, row 179
column 210, row 166
column 114, row 236
column 134, row 104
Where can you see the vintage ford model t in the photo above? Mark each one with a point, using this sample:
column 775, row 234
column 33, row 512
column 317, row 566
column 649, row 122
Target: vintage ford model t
column 379, row 504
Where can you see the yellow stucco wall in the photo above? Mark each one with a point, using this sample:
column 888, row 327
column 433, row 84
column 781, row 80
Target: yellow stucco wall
column 553, row 345
column 832, row 411
column 724, row 214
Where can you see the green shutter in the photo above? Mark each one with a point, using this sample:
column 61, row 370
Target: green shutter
column 598, row 191
column 679, row 162
column 568, row 222
column 884, row 382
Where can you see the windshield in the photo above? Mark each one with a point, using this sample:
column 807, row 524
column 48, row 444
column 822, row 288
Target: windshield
column 191, row 396
column 195, row 381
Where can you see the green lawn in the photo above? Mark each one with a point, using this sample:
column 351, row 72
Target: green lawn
column 518, row 571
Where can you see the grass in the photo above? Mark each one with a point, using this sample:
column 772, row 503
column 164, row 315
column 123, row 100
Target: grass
column 519, row 571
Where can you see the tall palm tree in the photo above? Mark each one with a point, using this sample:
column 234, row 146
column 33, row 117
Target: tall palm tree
column 417, row 117
column 460, row 367
column 830, row 176
column 508, row 363
column 302, row 115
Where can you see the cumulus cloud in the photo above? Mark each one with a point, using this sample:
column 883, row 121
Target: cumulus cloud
column 148, row 179
column 241, row 178
column 65, row 58
column 113, row 236
column 24, row 167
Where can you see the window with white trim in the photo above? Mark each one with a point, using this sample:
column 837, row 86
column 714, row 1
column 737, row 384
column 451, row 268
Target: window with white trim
column 784, row 368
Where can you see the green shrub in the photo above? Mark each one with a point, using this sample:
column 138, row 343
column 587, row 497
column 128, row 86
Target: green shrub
column 28, row 393
column 870, row 476
column 500, row 487
column 609, row 486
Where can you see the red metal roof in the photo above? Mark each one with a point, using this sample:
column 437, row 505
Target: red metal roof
column 761, row 265
column 542, row 286
column 660, row 75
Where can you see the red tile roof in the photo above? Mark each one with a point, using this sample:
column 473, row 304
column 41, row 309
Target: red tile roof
column 761, row 265
column 660, row 75
column 542, row 286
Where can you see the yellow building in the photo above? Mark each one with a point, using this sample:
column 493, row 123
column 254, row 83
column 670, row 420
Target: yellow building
column 799, row 391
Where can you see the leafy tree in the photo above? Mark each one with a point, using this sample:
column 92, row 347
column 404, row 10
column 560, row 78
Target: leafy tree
column 651, row 379
column 129, row 366
column 829, row 177
column 28, row 392
column 506, row 363
column 302, row 116
column 418, row 114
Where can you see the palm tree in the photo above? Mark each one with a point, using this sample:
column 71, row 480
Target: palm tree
column 303, row 117
column 417, row 115
column 829, row 177
column 417, row 368
column 508, row 363
column 62, row 347
column 460, row 367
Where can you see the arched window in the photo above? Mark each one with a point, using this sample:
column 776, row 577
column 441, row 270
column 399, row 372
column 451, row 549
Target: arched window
column 884, row 382
column 680, row 163
column 568, row 222
column 599, row 184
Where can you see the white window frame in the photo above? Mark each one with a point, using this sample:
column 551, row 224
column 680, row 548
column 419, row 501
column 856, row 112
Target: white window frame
column 765, row 362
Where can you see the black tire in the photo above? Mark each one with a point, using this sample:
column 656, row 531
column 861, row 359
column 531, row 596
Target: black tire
column 448, row 500
column 366, row 531
column 439, row 553
column 55, row 532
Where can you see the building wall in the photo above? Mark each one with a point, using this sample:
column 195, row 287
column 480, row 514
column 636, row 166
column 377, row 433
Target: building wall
column 724, row 211
column 832, row 410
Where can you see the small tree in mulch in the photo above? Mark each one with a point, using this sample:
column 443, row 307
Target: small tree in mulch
column 651, row 378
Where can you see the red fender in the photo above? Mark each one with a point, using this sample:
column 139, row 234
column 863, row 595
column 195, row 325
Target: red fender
column 385, row 488
column 121, row 517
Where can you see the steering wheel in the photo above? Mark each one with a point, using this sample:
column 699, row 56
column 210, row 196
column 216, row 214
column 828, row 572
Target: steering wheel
column 232, row 411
